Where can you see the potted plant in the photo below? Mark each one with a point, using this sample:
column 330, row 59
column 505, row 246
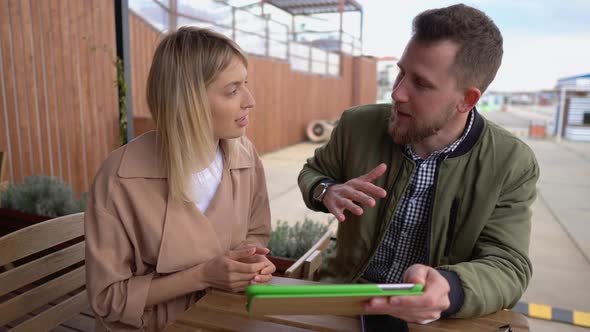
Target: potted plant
column 36, row 199
column 289, row 242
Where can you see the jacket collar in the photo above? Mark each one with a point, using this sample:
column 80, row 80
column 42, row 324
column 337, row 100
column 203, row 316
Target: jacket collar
column 472, row 137
column 142, row 158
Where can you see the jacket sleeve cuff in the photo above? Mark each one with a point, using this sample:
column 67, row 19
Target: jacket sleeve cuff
column 317, row 205
column 137, row 292
column 456, row 295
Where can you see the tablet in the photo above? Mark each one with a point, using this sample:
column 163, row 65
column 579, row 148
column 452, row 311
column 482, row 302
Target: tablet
column 336, row 299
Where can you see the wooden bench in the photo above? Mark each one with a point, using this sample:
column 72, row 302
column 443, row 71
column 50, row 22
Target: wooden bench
column 46, row 285
column 307, row 265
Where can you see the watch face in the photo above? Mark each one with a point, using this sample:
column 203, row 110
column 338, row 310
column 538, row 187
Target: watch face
column 317, row 191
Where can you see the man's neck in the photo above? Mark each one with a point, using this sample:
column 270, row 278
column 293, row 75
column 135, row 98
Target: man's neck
column 443, row 138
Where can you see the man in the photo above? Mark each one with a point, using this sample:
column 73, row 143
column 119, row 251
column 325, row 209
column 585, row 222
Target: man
column 427, row 190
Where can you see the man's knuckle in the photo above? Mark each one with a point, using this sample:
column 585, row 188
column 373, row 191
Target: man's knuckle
column 430, row 302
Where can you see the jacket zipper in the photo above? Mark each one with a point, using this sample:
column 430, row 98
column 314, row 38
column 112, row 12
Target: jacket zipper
column 359, row 272
column 451, row 229
column 433, row 200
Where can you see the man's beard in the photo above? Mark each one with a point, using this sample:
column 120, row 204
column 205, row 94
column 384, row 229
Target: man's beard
column 416, row 132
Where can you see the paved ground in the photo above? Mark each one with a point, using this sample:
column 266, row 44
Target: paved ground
column 560, row 250
column 518, row 118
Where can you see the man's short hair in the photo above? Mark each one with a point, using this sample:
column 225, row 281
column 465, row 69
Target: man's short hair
column 479, row 39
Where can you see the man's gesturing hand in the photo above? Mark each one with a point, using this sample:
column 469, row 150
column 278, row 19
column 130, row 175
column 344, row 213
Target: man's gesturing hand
column 359, row 190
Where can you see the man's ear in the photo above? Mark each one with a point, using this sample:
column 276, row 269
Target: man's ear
column 470, row 98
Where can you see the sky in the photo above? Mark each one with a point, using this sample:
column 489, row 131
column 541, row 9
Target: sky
column 544, row 40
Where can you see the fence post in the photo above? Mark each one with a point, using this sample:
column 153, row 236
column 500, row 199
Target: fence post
column 561, row 118
column 267, row 38
column 123, row 53
column 233, row 23
column 288, row 43
column 310, row 58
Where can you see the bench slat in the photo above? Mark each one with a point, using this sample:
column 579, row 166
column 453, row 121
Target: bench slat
column 37, row 297
column 23, row 275
column 53, row 317
column 41, row 236
column 296, row 270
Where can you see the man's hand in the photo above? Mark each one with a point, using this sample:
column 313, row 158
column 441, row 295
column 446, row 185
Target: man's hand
column 342, row 197
column 231, row 272
column 423, row 308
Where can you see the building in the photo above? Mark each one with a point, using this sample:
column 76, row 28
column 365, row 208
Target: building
column 387, row 71
column 573, row 123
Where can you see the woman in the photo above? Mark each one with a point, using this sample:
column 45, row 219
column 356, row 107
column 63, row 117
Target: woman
column 185, row 207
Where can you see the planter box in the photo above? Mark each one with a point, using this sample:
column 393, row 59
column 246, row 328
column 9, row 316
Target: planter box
column 281, row 263
column 12, row 220
column 307, row 265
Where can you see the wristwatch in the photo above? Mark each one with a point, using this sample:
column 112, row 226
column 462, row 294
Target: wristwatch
column 320, row 191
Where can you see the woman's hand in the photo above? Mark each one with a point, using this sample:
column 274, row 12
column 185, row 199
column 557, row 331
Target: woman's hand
column 265, row 274
column 236, row 269
column 232, row 271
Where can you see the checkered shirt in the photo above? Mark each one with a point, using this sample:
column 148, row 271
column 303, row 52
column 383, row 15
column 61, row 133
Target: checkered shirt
column 405, row 241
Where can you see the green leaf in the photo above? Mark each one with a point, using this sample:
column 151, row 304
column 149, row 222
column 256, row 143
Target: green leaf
column 42, row 195
column 292, row 241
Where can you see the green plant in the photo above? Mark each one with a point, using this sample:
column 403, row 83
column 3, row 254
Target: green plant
column 122, row 89
column 43, row 195
column 292, row 241
column 122, row 86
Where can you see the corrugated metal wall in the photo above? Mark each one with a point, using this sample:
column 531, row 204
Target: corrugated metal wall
column 575, row 128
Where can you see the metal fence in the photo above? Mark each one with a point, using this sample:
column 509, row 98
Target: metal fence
column 255, row 34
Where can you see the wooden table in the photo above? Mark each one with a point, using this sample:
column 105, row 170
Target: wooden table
column 222, row 311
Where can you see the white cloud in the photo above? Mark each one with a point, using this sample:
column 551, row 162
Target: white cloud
column 533, row 63
column 532, row 60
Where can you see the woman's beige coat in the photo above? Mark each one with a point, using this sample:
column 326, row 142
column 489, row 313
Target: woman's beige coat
column 134, row 233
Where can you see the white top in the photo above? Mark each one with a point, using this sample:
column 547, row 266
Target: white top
column 204, row 184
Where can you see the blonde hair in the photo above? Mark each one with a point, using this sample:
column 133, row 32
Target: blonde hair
column 185, row 62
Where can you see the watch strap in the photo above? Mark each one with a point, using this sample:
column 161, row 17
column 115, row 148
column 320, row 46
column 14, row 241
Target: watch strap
column 318, row 205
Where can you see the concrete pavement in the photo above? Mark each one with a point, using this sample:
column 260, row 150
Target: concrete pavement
column 560, row 250
column 281, row 168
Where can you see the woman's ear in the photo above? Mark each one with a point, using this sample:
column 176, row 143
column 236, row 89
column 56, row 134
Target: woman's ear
column 470, row 98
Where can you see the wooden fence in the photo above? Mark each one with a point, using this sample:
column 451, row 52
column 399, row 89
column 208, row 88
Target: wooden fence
column 286, row 100
column 58, row 112
column 58, row 101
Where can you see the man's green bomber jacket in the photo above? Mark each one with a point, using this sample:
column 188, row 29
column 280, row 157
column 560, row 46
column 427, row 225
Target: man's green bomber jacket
column 480, row 218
